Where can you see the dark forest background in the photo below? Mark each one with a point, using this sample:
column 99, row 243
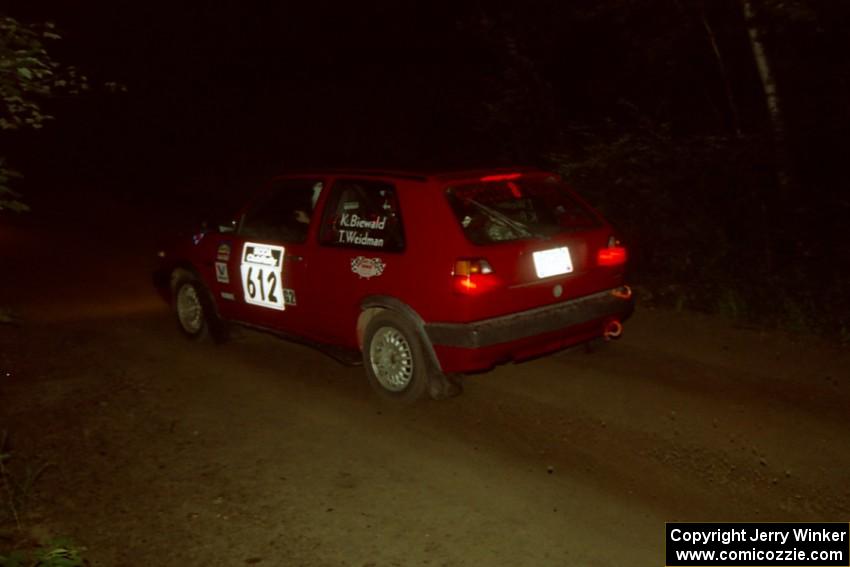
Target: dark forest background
column 653, row 110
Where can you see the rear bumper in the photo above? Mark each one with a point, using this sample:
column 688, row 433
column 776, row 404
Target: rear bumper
column 472, row 346
column 542, row 320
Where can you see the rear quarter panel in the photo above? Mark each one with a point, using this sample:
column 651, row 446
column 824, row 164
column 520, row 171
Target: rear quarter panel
column 434, row 242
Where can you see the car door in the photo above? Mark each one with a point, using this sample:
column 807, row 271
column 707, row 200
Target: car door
column 261, row 268
column 360, row 237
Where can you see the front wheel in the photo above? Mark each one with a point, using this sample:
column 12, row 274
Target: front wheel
column 394, row 358
column 195, row 312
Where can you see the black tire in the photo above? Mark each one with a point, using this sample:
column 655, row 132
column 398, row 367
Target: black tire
column 194, row 309
column 395, row 359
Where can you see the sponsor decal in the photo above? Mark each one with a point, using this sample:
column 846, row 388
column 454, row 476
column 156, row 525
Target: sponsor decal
column 228, row 295
column 223, row 253
column 349, row 234
column 289, row 296
column 367, row 267
column 352, row 220
column 360, row 238
column 221, row 274
column 262, row 255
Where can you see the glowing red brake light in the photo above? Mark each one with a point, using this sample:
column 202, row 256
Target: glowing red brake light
column 471, row 276
column 501, row 177
column 613, row 256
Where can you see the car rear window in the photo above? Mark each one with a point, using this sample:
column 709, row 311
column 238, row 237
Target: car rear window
column 363, row 214
column 517, row 209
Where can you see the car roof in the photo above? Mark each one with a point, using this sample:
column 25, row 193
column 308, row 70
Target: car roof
column 415, row 175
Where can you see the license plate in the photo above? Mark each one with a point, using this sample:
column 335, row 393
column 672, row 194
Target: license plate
column 553, row 262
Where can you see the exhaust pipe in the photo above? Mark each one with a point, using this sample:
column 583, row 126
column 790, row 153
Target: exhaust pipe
column 613, row 330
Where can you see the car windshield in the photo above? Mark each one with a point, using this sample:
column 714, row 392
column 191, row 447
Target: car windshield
column 517, row 209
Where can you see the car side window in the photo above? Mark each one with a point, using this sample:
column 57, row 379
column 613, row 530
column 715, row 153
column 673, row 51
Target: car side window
column 282, row 212
column 363, row 214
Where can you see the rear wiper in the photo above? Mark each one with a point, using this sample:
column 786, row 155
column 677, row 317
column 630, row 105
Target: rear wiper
column 518, row 227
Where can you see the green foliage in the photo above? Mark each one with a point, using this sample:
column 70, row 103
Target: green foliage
column 10, row 501
column 15, row 492
column 9, row 199
column 16, row 489
column 57, row 553
column 779, row 15
column 731, row 304
column 689, row 206
column 6, row 317
column 28, row 76
column 704, row 226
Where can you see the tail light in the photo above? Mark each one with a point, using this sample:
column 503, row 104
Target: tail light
column 472, row 276
column 614, row 255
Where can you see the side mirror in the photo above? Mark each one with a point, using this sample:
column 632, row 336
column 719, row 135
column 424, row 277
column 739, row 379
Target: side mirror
column 229, row 227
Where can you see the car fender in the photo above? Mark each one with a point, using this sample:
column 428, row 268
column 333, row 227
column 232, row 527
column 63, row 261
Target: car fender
column 374, row 303
column 166, row 275
column 163, row 276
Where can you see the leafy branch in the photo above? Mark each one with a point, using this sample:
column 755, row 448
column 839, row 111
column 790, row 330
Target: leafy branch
column 28, row 76
column 28, row 73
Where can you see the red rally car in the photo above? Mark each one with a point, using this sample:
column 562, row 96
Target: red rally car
column 422, row 275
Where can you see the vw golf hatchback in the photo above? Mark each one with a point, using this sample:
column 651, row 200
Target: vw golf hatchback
column 420, row 276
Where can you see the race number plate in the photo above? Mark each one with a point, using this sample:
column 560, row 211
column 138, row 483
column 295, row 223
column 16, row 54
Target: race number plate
column 553, row 262
column 261, row 269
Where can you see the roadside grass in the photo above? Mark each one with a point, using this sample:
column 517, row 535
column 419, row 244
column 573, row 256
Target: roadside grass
column 7, row 317
column 57, row 553
column 16, row 549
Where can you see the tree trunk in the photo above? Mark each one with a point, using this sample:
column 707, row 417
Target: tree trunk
column 771, row 97
column 730, row 99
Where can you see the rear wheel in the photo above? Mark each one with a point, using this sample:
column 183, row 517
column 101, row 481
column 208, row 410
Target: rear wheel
column 394, row 358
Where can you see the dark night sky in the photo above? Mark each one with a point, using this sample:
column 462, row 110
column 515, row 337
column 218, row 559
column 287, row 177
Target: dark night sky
column 289, row 84
column 220, row 89
column 380, row 83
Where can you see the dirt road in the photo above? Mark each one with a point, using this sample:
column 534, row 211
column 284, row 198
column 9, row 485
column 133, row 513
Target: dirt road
column 164, row 452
